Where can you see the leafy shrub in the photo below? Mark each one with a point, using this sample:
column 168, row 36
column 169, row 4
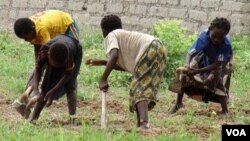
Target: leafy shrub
column 177, row 41
column 240, row 46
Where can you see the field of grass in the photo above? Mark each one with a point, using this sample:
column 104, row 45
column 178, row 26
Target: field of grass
column 194, row 122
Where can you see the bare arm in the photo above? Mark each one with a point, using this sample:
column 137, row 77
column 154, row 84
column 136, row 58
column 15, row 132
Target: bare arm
column 211, row 67
column 110, row 64
column 38, row 71
column 36, row 51
column 63, row 80
column 97, row 62
column 36, row 79
column 103, row 85
column 66, row 77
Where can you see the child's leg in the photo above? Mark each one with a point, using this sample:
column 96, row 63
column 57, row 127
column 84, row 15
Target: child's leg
column 72, row 84
column 32, row 101
column 223, row 102
column 178, row 103
column 142, row 108
column 138, row 117
column 71, row 99
column 38, row 108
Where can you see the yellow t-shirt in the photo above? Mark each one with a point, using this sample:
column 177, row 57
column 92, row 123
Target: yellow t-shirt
column 130, row 44
column 50, row 23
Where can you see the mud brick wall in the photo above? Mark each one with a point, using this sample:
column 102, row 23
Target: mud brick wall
column 136, row 14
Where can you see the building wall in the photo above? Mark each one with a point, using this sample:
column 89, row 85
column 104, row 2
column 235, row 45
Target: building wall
column 136, row 14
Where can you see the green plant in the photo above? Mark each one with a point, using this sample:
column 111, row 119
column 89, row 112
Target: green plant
column 16, row 62
column 93, row 40
column 176, row 40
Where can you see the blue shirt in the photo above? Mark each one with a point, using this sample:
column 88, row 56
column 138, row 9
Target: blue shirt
column 212, row 53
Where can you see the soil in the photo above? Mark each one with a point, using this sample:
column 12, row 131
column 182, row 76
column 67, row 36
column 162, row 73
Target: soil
column 118, row 119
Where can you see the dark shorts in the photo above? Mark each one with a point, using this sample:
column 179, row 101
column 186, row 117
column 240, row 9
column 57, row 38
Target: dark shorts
column 54, row 75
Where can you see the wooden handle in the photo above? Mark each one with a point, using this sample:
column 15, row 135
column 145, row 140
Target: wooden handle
column 103, row 115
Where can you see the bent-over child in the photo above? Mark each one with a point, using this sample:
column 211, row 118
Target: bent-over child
column 38, row 30
column 63, row 57
column 141, row 55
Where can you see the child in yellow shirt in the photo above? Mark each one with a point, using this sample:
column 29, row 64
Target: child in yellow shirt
column 38, row 30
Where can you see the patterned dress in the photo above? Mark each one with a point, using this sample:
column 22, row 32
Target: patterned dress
column 148, row 75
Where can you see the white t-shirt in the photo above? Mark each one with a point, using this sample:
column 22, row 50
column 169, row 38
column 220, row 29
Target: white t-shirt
column 130, row 44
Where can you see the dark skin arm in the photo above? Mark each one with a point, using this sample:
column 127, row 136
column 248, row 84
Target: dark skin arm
column 97, row 62
column 61, row 82
column 69, row 67
column 36, row 50
column 42, row 54
column 103, row 85
column 211, row 67
column 36, row 79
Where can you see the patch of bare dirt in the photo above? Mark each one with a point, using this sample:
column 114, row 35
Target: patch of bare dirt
column 151, row 132
column 9, row 114
column 118, row 119
column 56, row 115
column 201, row 130
column 116, row 107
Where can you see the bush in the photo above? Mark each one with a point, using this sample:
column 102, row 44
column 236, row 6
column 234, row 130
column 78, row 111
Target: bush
column 177, row 41
column 240, row 46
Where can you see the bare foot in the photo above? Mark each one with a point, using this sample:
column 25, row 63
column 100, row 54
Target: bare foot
column 222, row 115
column 73, row 120
column 143, row 126
column 32, row 120
column 175, row 108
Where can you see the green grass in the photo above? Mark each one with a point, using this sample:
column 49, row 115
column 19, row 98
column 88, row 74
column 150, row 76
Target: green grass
column 193, row 122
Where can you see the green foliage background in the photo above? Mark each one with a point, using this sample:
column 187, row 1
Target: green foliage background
column 16, row 64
